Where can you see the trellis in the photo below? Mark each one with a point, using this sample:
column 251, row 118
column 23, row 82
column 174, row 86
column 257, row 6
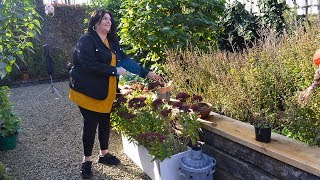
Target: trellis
column 303, row 7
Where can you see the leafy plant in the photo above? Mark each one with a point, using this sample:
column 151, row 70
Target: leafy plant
column 305, row 125
column 3, row 173
column 9, row 122
column 161, row 128
column 19, row 23
column 240, row 28
column 112, row 5
column 129, row 77
column 149, row 27
column 262, row 119
column 273, row 14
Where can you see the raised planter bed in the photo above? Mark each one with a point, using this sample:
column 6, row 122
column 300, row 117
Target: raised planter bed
column 239, row 156
column 156, row 170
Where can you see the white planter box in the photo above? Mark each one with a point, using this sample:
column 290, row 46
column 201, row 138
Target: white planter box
column 156, row 170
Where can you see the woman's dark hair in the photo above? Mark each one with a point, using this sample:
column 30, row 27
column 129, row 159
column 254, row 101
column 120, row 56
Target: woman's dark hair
column 96, row 17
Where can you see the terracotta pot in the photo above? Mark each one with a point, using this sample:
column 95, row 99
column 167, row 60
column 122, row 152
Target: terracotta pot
column 202, row 108
column 24, row 70
column 164, row 89
column 164, row 93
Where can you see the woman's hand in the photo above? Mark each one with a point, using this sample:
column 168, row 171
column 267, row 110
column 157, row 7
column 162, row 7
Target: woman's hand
column 121, row 71
column 154, row 76
column 316, row 76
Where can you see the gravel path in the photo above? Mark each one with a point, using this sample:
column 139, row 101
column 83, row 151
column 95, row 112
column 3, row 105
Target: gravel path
column 49, row 144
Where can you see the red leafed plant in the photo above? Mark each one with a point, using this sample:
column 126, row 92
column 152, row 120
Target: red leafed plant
column 163, row 129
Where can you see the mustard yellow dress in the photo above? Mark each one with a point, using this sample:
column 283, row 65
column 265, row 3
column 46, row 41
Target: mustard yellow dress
column 101, row 106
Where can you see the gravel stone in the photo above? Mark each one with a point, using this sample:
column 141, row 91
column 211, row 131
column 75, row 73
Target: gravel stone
column 49, row 144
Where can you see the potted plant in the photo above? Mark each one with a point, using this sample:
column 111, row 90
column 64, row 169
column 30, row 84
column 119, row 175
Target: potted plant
column 9, row 122
column 263, row 131
column 162, row 90
column 24, row 70
column 263, row 126
column 199, row 107
column 164, row 131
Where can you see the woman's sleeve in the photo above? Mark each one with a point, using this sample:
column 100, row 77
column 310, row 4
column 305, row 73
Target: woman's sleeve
column 133, row 67
column 88, row 60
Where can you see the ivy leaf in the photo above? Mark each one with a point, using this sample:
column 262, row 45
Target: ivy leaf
column 8, row 69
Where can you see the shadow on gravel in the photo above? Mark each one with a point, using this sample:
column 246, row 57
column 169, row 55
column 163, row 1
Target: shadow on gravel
column 49, row 143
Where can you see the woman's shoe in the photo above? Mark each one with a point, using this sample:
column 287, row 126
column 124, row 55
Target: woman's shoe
column 108, row 159
column 86, row 172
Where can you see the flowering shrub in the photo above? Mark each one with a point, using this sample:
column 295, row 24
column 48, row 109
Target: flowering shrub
column 264, row 78
column 162, row 128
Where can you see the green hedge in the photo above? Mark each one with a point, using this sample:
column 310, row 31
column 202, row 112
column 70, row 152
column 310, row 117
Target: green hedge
column 61, row 33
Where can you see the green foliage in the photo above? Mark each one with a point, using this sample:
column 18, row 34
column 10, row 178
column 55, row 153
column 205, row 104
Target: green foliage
column 240, row 28
column 305, row 122
column 162, row 129
column 128, row 78
column 263, row 80
column 273, row 14
column 110, row 5
column 149, row 27
column 3, row 173
column 19, row 23
column 9, row 122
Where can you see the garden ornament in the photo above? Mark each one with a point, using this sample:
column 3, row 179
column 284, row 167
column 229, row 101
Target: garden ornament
column 197, row 165
column 49, row 10
column 305, row 96
column 316, row 57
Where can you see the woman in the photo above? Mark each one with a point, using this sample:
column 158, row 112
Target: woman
column 93, row 83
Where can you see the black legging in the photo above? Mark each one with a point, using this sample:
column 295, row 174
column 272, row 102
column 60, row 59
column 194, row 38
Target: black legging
column 91, row 121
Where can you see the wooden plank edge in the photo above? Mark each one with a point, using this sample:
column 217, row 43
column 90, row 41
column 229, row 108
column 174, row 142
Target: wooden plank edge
column 263, row 147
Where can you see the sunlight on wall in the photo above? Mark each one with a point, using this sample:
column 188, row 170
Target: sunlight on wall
column 66, row 1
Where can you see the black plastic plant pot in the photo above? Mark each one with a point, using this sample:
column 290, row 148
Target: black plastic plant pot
column 263, row 134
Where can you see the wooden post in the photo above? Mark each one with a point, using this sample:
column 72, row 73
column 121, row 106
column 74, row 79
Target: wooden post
column 307, row 8
column 318, row 6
